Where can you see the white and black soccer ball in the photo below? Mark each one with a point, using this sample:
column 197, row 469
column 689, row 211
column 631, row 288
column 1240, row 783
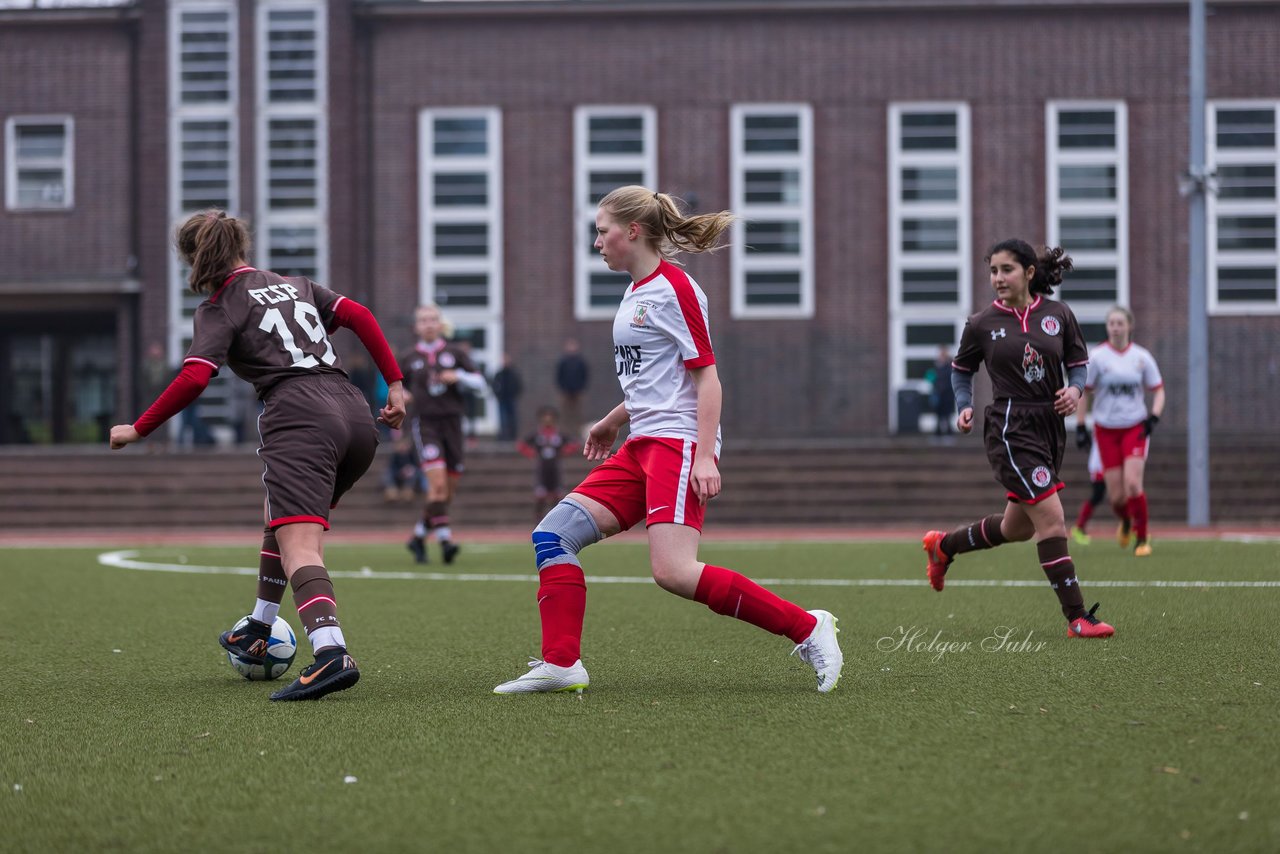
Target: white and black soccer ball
column 281, row 648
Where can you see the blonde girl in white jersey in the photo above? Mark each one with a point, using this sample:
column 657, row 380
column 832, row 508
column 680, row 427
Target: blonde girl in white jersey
column 666, row 470
column 1120, row 375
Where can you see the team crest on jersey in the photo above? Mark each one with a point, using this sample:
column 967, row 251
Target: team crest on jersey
column 430, row 451
column 447, row 360
column 1032, row 365
column 1040, row 476
column 642, row 312
column 1050, row 325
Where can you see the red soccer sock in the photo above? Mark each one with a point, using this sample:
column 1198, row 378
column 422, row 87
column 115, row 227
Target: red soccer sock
column 734, row 595
column 1086, row 513
column 562, row 602
column 1138, row 513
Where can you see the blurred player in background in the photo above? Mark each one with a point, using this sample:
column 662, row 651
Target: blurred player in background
column 547, row 446
column 1120, row 375
column 437, row 372
column 1097, row 485
column 666, row 470
column 1028, row 343
column 318, row 435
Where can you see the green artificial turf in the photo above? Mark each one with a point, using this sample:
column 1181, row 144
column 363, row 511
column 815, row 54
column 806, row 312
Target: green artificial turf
column 122, row 727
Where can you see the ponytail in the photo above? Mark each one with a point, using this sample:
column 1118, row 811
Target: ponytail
column 211, row 242
column 664, row 224
column 1049, row 264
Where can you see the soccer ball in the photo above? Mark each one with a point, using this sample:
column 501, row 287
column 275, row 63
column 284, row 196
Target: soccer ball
column 281, row 648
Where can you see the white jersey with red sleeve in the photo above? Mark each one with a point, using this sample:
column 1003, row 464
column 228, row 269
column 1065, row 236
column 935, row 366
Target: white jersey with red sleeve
column 1119, row 381
column 659, row 334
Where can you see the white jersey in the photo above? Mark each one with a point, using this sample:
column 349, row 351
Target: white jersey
column 659, row 333
column 1119, row 380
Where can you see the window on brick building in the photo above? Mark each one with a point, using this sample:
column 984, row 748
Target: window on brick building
column 930, row 268
column 460, row 216
column 39, row 163
column 204, row 153
column 614, row 146
column 771, row 189
column 1087, row 205
column 1243, row 213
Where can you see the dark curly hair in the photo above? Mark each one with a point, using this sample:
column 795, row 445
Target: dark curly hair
column 1050, row 263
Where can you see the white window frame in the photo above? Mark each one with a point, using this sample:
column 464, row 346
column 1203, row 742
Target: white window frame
column 1215, row 158
column 66, row 162
column 181, row 303
column 586, row 260
column 268, row 111
column 739, row 162
column 903, row 314
column 1056, row 208
column 490, row 316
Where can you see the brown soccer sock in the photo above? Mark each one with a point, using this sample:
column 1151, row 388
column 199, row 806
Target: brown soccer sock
column 982, row 534
column 271, row 578
column 1061, row 572
column 313, row 594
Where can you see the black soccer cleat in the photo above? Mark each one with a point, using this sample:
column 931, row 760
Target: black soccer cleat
column 334, row 671
column 417, row 547
column 249, row 643
column 449, row 550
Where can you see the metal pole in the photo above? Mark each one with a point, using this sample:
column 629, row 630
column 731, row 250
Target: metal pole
column 1197, row 320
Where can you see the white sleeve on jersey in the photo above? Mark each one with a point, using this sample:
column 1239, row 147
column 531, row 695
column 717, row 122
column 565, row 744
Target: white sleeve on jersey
column 684, row 320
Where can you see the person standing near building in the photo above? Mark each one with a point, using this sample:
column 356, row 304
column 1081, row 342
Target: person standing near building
column 437, row 373
column 666, row 471
column 1120, row 375
column 507, row 387
column 318, row 436
column 572, row 375
column 1036, row 359
column 942, row 396
column 547, row 446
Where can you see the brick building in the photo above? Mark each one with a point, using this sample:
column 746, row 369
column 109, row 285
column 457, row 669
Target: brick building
column 405, row 151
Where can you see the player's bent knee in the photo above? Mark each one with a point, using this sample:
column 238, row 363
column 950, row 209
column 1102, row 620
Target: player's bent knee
column 566, row 530
column 675, row 577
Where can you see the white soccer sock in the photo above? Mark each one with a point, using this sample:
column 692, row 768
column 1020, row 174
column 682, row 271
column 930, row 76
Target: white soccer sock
column 265, row 612
column 420, row 529
column 328, row 636
column 444, row 533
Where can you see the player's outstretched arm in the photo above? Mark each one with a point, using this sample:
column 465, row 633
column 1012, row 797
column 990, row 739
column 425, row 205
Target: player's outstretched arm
column 186, row 387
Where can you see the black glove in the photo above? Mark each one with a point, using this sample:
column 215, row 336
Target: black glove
column 1150, row 424
column 1083, row 438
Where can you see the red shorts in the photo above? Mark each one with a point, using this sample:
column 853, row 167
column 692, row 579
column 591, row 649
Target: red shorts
column 1117, row 444
column 647, row 480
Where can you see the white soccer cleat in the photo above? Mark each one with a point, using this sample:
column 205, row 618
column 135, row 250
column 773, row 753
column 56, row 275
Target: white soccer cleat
column 821, row 651
column 544, row 677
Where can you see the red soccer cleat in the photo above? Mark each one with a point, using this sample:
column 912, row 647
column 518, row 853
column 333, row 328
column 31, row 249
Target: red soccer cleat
column 1089, row 626
column 938, row 560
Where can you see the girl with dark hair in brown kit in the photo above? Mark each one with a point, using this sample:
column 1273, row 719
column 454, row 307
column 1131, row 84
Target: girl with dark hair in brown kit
column 318, row 436
column 1036, row 359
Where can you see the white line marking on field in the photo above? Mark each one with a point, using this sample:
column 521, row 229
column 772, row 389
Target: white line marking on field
column 128, row 560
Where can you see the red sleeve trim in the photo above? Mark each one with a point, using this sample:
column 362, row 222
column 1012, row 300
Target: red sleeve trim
column 701, row 361
column 1077, row 364
column 357, row 318
column 962, row 368
column 186, row 387
column 213, row 365
column 1154, row 387
column 289, row 520
column 692, row 312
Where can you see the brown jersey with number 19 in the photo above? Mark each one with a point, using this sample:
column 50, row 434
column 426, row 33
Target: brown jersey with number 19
column 267, row 328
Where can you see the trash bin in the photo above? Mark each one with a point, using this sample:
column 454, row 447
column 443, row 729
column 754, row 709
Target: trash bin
column 911, row 405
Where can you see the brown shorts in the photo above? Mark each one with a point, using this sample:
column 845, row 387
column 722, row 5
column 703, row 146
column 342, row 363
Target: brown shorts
column 1025, row 443
column 318, row 438
column 439, row 442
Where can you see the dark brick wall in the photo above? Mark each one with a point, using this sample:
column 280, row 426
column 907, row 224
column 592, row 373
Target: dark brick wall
column 827, row 374
column 44, row 75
